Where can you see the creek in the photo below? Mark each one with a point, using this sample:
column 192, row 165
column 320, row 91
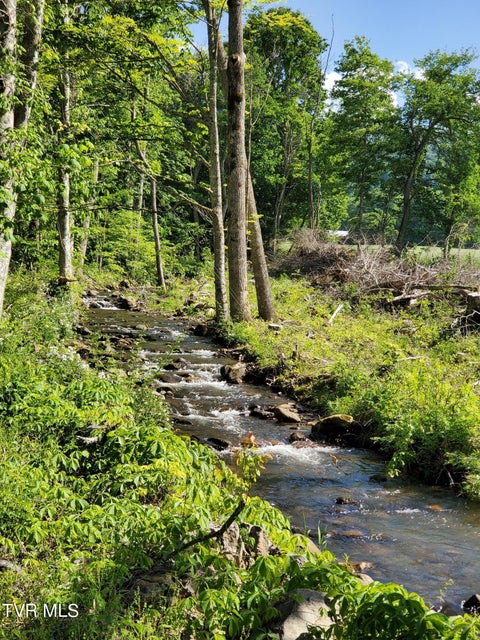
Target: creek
column 424, row 538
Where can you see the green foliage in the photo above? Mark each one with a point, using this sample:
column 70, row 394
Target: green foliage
column 387, row 611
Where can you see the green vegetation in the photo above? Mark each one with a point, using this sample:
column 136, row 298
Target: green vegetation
column 112, row 136
column 98, row 496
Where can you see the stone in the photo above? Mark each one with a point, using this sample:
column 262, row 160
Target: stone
column 83, row 331
column 201, row 330
column 233, row 373
column 345, row 500
column 472, row 605
column 233, row 546
column 286, row 413
column 218, row 444
column 128, row 303
column 261, row 412
column 176, row 365
column 364, row 579
column 308, row 608
column 338, row 429
column 297, row 436
column 169, row 378
column 263, row 546
column 273, row 326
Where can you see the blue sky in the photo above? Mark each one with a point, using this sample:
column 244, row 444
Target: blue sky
column 399, row 31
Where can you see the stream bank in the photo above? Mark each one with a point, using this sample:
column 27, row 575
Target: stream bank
column 425, row 539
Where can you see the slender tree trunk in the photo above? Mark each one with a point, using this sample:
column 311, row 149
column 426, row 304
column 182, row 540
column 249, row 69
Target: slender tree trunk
column 65, row 246
column 259, row 264
column 32, row 34
column 311, row 201
column 64, row 221
column 406, row 208
column 266, row 307
column 153, row 208
column 215, row 173
column 420, row 144
column 64, row 218
column 139, row 209
column 361, row 210
column 196, row 216
column 8, row 47
column 237, row 183
column 15, row 110
column 86, row 221
column 156, row 235
column 277, row 218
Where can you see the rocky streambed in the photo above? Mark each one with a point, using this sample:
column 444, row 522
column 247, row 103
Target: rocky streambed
column 424, row 538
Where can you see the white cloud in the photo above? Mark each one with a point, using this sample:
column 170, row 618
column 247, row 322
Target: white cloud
column 404, row 68
column 330, row 79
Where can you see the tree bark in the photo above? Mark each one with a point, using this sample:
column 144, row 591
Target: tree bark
column 33, row 24
column 8, row 46
column 420, row 144
column 86, row 222
column 64, row 227
column 237, row 183
column 64, row 221
column 266, row 307
column 153, row 209
column 64, row 218
column 156, row 235
column 215, row 173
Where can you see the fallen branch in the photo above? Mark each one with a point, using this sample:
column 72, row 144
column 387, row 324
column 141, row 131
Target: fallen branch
column 212, row 534
column 335, row 313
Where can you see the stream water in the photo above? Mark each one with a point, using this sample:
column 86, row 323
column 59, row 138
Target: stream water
column 424, row 538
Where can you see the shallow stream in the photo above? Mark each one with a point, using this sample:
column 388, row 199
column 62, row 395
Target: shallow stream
column 424, row 538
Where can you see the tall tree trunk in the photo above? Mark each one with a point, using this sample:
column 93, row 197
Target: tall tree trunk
column 361, row 211
column 278, row 212
column 86, row 222
column 32, row 34
column 153, row 208
column 215, row 173
column 8, row 46
column 266, row 307
column 139, row 209
column 420, row 144
column 64, row 219
column 196, row 215
column 311, row 200
column 407, row 206
column 237, row 183
column 259, row 262
column 64, row 228
column 16, row 102
column 156, row 235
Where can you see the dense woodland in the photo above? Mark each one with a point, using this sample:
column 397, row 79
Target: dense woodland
column 114, row 123
column 128, row 152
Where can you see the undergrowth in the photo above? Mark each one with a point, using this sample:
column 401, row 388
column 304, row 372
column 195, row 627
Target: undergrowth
column 98, row 497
